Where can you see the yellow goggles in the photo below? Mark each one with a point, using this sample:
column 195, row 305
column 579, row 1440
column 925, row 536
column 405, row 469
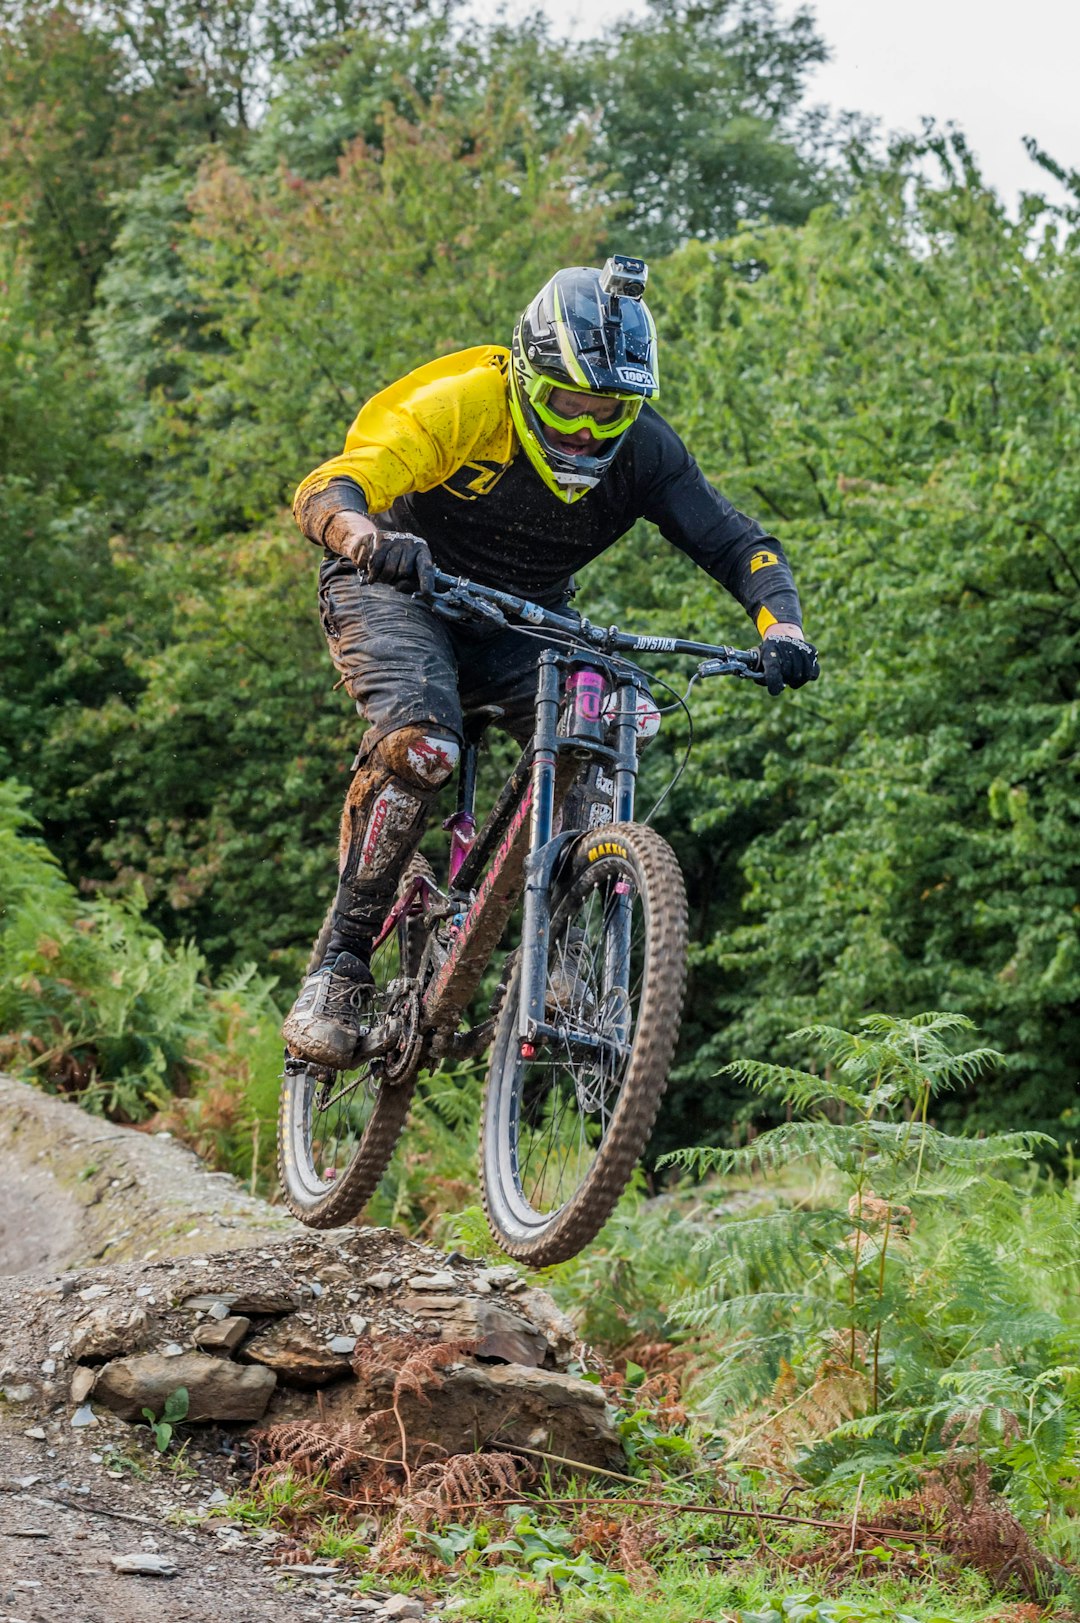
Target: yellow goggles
column 606, row 427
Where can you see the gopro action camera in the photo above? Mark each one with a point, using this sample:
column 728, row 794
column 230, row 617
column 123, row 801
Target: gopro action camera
column 624, row 278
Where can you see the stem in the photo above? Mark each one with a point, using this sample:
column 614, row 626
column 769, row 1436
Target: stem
column 855, row 1515
column 922, row 1138
column 880, row 1297
column 255, row 1155
column 560, row 1459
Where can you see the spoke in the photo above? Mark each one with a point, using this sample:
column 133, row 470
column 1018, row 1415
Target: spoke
column 565, row 1098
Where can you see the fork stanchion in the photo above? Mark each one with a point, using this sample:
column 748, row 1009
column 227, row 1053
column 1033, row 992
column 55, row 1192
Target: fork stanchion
column 536, row 913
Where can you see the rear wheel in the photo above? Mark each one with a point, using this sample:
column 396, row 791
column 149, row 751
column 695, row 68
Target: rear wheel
column 337, row 1129
column 564, row 1126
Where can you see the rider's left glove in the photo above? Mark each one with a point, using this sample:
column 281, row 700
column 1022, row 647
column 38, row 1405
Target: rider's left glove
column 400, row 559
column 788, row 662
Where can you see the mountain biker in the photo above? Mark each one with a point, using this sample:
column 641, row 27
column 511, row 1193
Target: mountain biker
column 513, row 468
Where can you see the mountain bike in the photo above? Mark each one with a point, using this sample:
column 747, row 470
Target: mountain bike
column 584, row 1021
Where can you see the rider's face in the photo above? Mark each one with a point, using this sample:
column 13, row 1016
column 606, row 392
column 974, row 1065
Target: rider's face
column 571, row 403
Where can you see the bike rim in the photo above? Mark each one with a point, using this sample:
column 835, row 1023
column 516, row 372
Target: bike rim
column 336, row 1107
column 562, row 1102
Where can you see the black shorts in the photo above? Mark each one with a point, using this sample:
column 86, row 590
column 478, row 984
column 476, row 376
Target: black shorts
column 404, row 665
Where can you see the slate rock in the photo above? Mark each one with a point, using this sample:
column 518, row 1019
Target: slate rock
column 297, row 1354
column 512, row 1347
column 403, row 1606
column 110, row 1331
column 222, row 1335
column 144, row 1565
column 503, row 1404
column 436, row 1281
column 82, row 1383
column 471, row 1318
column 256, row 1304
column 217, row 1389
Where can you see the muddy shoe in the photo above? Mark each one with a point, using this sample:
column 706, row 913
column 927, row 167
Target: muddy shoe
column 326, row 1021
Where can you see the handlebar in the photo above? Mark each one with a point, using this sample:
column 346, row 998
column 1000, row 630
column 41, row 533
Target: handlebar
column 457, row 598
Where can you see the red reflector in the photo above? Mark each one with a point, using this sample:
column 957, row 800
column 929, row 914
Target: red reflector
column 528, row 1051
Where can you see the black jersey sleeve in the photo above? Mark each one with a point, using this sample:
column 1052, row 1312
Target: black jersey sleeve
column 694, row 516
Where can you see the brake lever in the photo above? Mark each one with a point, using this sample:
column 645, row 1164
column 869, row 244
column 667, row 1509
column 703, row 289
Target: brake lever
column 731, row 667
column 458, row 604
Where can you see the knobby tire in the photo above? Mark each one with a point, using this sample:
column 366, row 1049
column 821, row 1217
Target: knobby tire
column 646, row 863
column 355, row 1183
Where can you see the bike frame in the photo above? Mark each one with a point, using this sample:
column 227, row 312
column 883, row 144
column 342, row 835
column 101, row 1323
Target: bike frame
column 518, row 842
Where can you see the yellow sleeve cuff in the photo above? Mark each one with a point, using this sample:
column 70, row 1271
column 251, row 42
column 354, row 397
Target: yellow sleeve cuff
column 764, row 621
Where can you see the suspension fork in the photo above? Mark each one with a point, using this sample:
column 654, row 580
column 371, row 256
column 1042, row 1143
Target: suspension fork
column 587, row 729
column 616, row 966
column 536, row 913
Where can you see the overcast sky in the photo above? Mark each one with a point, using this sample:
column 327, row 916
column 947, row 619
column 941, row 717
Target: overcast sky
column 1001, row 69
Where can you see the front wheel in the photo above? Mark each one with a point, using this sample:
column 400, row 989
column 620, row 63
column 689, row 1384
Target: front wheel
column 564, row 1125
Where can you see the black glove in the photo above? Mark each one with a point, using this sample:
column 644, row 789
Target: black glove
column 400, row 559
column 788, row 662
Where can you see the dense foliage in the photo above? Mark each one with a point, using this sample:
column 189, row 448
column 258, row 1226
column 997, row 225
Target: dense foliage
column 233, row 226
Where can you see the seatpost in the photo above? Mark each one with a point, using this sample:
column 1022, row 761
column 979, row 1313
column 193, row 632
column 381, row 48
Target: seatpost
column 462, row 825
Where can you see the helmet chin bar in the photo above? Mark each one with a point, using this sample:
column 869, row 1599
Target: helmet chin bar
column 573, row 474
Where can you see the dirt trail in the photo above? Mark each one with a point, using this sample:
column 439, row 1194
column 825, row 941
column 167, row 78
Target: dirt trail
column 120, row 1249
column 76, row 1190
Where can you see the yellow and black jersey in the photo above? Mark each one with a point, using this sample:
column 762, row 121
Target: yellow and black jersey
column 437, row 454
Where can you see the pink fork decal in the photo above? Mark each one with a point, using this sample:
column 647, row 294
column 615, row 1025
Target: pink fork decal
column 586, row 688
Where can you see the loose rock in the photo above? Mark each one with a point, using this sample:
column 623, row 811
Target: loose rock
column 222, row 1335
column 403, row 1606
column 217, row 1389
column 110, row 1331
column 438, row 1281
column 82, row 1384
column 144, row 1565
column 297, row 1354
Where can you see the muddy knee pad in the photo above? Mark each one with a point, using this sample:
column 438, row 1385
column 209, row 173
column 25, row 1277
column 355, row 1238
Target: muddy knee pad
column 422, row 757
column 385, row 812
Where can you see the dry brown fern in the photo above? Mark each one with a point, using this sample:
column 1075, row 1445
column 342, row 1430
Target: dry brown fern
column 412, row 1360
column 383, row 1355
column 462, row 1482
column 318, row 1448
column 419, row 1373
column 635, row 1538
column 977, row 1527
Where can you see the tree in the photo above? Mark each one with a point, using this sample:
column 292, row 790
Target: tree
column 894, row 386
column 247, row 351
column 693, row 114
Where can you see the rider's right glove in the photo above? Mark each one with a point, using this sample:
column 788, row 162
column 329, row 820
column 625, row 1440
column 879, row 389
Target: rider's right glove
column 788, row 662
column 400, row 559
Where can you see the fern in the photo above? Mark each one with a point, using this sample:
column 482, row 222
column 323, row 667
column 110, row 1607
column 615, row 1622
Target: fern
column 922, row 1291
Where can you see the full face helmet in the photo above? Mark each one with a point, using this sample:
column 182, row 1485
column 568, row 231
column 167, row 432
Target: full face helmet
column 588, row 334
